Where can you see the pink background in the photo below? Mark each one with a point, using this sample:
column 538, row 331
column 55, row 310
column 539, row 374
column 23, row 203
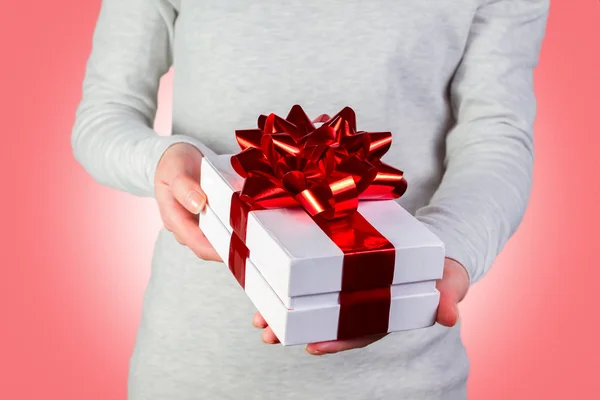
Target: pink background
column 76, row 255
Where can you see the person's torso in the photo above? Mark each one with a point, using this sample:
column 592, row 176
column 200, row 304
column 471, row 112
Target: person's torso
column 391, row 61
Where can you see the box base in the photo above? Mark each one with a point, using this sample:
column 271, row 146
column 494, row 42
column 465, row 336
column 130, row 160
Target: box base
column 296, row 327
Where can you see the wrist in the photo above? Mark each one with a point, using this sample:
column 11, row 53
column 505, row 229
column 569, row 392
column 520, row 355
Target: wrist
column 177, row 158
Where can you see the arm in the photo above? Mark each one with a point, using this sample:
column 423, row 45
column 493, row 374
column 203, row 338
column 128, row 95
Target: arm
column 489, row 152
column 113, row 137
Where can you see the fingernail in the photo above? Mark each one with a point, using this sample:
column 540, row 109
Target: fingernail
column 257, row 323
column 267, row 341
column 197, row 201
column 313, row 351
column 263, row 336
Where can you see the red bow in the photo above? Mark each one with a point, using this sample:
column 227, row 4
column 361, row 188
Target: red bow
column 325, row 170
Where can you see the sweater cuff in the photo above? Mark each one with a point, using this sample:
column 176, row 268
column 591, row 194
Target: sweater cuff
column 163, row 143
column 456, row 245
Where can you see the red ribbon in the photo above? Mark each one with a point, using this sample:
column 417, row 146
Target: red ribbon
column 326, row 171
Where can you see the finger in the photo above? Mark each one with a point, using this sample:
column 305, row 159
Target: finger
column 447, row 313
column 336, row 346
column 188, row 193
column 258, row 321
column 179, row 239
column 204, row 249
column 452, row 287
column 186, row 230
column 268, row 336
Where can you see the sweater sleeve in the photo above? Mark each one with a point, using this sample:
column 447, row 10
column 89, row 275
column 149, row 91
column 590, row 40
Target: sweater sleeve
column 113, row 137
column 489, row 152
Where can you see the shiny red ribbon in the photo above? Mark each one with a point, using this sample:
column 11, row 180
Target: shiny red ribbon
column 325, row 170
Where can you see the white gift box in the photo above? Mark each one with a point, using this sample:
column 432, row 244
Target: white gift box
column 298, row 259
column 314, row 318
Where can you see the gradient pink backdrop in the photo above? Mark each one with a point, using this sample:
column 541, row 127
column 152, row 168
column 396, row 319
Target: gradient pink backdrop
column 76, row 255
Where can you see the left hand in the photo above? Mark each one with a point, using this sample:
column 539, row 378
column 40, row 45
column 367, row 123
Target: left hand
column 452, row 287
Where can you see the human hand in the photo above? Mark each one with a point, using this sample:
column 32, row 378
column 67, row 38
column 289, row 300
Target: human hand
column 180, row 198
column 453, row 288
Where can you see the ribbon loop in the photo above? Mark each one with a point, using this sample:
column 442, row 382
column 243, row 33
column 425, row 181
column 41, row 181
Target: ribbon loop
column 248, row 138
column 298, row 117
column 251, row 161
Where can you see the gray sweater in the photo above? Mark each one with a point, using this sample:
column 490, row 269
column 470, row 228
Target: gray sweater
column 452, row 80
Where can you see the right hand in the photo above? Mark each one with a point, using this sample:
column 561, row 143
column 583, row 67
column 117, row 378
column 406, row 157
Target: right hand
column 180, row 198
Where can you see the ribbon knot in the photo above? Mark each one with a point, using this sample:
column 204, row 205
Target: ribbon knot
column 325, row 170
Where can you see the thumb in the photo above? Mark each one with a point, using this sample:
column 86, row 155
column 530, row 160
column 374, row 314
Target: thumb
column 188, row 193
column 447, row 313
column 452, row 287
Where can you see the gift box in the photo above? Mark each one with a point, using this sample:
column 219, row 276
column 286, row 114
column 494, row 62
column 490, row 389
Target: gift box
column 307, row 210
